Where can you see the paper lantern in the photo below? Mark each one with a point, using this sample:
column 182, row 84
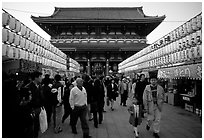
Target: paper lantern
column 22, row 54
column 194, row 24
column 181, row 32
column 189, row 27
column 18, row 26
column 23, row 30
column 184, row 40
column 22, row 42
column 10, row 52
column 199, row 21
column 185, row 55
column 27, row 44
column 5, row 19
column 34, row 57
column 193, row 39
column 35, row 38
column 16, row 53
column 32, row 36
column 17, row 40
column 188, row 53
column 28, row 31
column 4, row 49
column 12, row 23
column 5, row 35
column 11, row 37
column 198, row 39
column 26, row 55
column 185, row 32
column 200, row 50
column 30, row 56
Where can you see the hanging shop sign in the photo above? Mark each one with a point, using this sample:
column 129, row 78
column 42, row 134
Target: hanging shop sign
column 193, row 71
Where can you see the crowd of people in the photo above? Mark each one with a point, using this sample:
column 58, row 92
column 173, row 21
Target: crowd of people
column 81, row 97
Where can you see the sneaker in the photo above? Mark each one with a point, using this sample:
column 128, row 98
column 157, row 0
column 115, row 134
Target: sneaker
column 147, row 127
column 156, row 135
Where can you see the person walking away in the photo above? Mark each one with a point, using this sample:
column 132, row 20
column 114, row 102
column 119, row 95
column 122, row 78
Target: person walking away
column 135, row 116
column 67, row 107
column 46, row 85
column 78, row 103
column 37, row 99
column 57, row 92
column 88, row 85
column 112, row 90
column 140, row 86
column 153, row 99
column 97, row 102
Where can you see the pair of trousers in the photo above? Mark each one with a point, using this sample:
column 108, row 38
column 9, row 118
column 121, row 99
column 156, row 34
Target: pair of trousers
column 80, row 112
column 124, row 97
column 154, row 120
column 98, row 116
column 67, row 112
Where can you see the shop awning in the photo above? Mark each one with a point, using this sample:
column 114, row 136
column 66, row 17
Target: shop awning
column 193, row 71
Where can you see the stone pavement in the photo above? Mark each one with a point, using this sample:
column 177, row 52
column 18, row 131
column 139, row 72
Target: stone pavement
column 175, row 123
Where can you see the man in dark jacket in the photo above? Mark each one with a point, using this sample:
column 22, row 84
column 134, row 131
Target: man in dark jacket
column 139, row 89
column 37, row 99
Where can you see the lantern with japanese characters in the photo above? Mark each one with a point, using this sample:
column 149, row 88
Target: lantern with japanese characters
column 189, row 27
column 199, row 21
column 193, row 39
column 194, row 24
column 198, row 39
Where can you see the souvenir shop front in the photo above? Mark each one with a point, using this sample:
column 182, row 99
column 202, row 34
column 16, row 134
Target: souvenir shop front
column 184, row 86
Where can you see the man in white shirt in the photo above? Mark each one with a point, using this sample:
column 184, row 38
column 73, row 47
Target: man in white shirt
column 78, row 103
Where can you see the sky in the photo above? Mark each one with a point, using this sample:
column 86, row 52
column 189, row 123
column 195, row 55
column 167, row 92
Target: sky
column 176, row 13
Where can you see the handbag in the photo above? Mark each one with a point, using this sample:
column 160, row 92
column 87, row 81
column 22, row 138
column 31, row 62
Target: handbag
column 43, row 120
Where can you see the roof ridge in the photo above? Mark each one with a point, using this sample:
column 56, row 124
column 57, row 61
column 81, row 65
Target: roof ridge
column 99, row 7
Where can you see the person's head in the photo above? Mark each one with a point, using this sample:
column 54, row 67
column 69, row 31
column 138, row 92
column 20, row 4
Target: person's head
column 142, row 77
column 57, row 77
column 153, row 81
column 71, row 86
column 36, row 76
column 112, row 81
column 79, row 82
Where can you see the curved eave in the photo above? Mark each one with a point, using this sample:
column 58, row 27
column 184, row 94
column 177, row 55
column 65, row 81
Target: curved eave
column 58, row 21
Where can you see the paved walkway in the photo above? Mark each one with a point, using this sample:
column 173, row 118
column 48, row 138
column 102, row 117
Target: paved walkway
column 175, row 123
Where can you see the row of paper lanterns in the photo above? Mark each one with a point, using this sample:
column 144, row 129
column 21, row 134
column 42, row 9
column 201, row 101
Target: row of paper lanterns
column 173, row 58
column 180, row 44
column 74, row 66
column 191, row 27
column 19, row 28
column 9, row 37
column 98, row 41
column 17, row 53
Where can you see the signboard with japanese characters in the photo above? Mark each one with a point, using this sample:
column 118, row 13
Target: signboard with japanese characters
column 193, row 71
